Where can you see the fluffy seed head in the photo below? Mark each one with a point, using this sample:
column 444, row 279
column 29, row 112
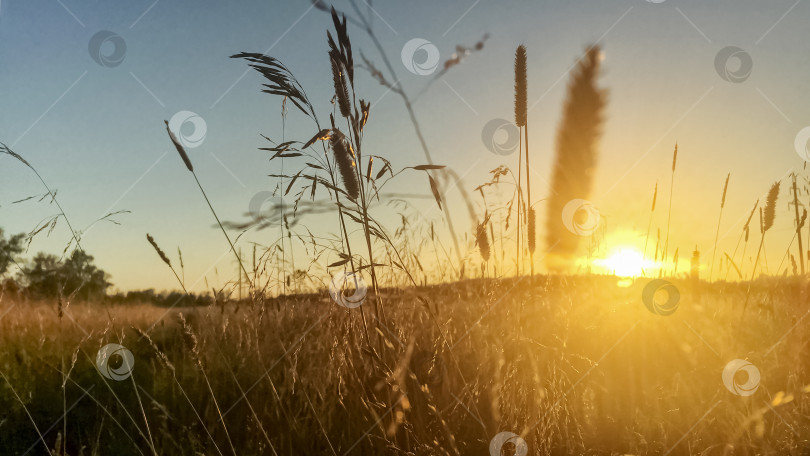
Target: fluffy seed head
column 770, row 207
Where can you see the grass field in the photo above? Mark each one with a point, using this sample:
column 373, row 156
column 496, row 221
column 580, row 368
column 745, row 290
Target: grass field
column 458, row 335
column 572, row 365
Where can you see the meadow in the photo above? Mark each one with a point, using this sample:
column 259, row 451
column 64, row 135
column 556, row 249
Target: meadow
column 415, row 338
column 574, row 365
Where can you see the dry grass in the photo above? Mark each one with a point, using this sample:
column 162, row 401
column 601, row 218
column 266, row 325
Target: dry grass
column 585, row 369
column 574, row 365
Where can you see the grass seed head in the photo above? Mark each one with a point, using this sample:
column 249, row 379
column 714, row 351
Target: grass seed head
column 770, row 207
column 521, row 87
column 179, row 147
column 344, row 156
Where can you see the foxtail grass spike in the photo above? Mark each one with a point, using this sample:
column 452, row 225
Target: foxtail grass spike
column 521, row 87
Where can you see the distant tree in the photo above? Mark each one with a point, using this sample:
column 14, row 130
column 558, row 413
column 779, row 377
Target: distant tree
column 47, row 277
column 163, row 299
column 139, row 296
column 9, row 249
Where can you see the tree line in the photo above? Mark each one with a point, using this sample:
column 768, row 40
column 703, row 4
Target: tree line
column 47, row 276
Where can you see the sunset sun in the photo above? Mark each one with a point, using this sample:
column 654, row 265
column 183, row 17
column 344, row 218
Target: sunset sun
column 623, row 262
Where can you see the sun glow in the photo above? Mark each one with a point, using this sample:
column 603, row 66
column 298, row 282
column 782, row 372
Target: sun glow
column 624, row 262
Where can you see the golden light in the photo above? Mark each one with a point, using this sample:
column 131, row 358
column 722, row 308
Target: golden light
column 623, row 262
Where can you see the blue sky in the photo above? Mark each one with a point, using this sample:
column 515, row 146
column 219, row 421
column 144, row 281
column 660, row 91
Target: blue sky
column 96, row 134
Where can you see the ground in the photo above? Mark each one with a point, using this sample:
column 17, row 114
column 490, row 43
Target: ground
column 576, row 365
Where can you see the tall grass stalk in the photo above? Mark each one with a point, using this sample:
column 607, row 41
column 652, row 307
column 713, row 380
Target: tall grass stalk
column 671, row 188
column 143, row 413
column 808, row 240
column 482, row 240
column 165, row 362
column 194, row 348
column 799, row 223
column 657, row 244
column 6, row 150
column 187, row 329
column 519, row 202
column 766, row 222
column 190, row 167
column 364, row 22
column 744, row 236
column 282, row 82
column 27, row 412
column 719, row 218
column 349, row 155
column 148, row 436
column 522, row 121
column 281, row 190
column 649, row 224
